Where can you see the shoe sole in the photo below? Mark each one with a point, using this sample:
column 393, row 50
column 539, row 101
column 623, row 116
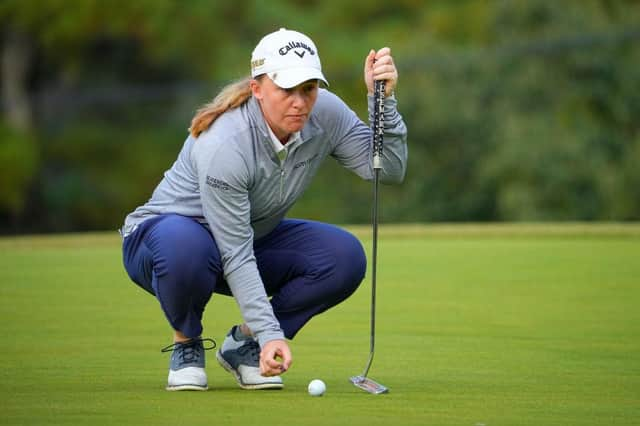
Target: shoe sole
column 187, row 388
column 224, row 364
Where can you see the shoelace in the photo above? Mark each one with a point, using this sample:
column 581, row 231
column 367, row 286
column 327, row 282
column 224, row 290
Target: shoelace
column 251, row 348
column 188, row 351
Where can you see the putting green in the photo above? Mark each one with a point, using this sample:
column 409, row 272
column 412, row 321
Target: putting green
column 477, row 324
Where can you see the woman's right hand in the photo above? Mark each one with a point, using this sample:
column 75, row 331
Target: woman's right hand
column 275, row 358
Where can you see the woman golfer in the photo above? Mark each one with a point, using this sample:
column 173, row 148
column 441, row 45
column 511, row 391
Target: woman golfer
column 216, row 222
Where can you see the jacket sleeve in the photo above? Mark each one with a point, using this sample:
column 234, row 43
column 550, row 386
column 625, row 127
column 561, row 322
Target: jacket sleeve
column 352, row 139
column 224, row 180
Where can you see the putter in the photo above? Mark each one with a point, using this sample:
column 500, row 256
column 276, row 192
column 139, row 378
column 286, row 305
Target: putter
column 363, row 382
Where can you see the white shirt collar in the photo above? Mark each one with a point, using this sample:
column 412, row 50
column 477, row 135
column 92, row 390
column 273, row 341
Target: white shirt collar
column 278, row 146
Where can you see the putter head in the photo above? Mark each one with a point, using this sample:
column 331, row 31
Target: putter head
column 368, row 385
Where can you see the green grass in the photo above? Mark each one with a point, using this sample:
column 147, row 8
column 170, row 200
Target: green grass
column 493, row 325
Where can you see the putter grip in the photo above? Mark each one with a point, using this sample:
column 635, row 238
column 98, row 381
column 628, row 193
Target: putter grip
column 378, row 122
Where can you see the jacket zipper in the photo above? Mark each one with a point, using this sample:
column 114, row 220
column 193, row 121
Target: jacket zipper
column 281, row 184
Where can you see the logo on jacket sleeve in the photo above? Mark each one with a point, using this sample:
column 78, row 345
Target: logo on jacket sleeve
column 217, row 183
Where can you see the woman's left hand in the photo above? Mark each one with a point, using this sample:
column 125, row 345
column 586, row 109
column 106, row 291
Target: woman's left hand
column 379, row 66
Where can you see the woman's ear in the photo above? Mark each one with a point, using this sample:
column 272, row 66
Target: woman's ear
column 256, row 89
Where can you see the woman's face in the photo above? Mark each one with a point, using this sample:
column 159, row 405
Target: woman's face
column 285, row 110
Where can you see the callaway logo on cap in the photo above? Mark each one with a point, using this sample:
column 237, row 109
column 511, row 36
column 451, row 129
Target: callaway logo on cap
column 288, row 57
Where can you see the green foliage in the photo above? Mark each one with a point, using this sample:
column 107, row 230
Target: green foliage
column 532, row 130
column 96, row 174
column 516, row 110
column 19, row 163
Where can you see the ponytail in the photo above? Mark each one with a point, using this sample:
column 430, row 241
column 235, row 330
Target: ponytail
column 231, row 96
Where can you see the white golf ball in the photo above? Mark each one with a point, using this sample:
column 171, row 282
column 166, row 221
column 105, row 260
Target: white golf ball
column 317, row 387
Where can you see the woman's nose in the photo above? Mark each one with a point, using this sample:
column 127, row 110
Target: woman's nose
column 299, row 99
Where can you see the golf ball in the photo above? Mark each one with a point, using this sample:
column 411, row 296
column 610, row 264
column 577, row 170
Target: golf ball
column 317, row 387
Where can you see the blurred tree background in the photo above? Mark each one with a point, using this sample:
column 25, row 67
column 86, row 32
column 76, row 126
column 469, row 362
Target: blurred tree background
column 517, row 109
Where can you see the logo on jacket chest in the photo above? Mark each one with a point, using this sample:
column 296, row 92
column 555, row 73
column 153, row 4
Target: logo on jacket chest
column 304, row 163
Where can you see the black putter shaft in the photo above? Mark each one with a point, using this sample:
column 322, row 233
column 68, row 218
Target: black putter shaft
column 364, row 382
column 378, row 98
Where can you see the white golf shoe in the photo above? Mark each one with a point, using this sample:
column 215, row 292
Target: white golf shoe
column 186, row 369
column 241, row 358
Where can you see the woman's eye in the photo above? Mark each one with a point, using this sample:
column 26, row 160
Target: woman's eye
column 306, row 90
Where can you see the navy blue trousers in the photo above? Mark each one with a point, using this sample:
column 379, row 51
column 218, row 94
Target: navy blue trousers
column 306, row 267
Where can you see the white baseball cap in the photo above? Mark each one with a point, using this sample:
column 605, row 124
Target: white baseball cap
column 288, row 58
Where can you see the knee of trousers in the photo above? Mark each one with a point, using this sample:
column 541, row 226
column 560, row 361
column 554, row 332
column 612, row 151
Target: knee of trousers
column 351, row 264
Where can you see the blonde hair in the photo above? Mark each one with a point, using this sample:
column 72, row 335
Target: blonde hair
column 231, row 96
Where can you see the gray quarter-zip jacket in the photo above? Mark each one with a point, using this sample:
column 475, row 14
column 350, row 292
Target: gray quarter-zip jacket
column 231, row 180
